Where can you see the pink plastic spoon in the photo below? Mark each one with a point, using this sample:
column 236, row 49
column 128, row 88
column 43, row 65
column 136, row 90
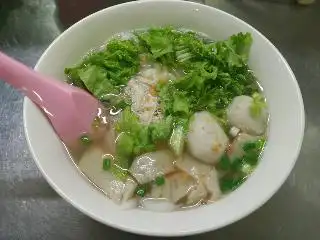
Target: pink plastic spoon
column 70, row 110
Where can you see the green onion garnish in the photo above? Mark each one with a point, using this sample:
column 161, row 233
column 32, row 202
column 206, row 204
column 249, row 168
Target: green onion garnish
column 106, row 165
column 228, row 184
column 141, row 192
column 85, row 139
column 224, row 163
column 159, row 180
column 249, row 146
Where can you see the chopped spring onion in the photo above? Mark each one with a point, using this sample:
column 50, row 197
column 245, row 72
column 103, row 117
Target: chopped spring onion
column 160, row 180
column 228, row 184
column 249, row 146
column 141, row 190
column 106, row 165
column 224, row 163
column 85, row 139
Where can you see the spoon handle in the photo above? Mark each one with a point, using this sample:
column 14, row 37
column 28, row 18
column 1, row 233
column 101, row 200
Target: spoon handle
column 70, row 110
column 32, row 84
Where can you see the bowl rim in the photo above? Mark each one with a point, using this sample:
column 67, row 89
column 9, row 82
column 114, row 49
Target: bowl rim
column 204, row 229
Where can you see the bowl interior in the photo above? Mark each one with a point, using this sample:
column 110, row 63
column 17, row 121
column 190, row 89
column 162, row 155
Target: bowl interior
column 281, row 89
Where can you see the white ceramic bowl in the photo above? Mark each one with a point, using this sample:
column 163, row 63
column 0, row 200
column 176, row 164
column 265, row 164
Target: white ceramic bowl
column 272, row 70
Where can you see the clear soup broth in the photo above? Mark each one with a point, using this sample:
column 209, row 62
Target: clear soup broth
column 184, row 119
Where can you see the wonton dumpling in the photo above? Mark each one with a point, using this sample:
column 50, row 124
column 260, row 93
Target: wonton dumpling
column 206, row 175
column 158, row 205
column 193, row 167
column 91, row 165
column 177, row 186
column 238, row 114
column 109, row 141
column 147, row 167
column 197, row 194
column 206, row 139
column 129, row 189
column 212, row 185
column 181, row 184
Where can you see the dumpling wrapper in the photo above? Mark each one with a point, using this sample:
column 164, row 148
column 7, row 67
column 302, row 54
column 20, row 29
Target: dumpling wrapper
column 193, row 167
column 109, row 141
column 238, row 114
column 147, row 167
column 176, row 186
column 206, row 175
column 180, row 186
column 91, row 165
column 197, row 194
column 207, row 140
column 157, row 205
column 211, row 183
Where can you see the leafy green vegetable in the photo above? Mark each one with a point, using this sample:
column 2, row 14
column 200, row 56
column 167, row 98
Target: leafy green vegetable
column 74, row 78
column 257, row 105
column 247, row 169
column 240, row 167
column 103, row 72
column 211, row 74
column 177, row 140
column 241, row 44
column 157, row 44
column 228, row 183
column 252, row 151
column 249, row 146
column 117, row 101
column 236, row 164
column 136, row 138
column 129, row 122
column 95, row 80
column 143, row 142
column 215, row 72
column 234, row 51
column 125, row 146
column 160, row 131
column 180, row 104
column 183, row 54
column 224, row 163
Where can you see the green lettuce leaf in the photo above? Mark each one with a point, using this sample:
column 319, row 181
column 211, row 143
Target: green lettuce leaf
column 96, row 81
column 105, row 71
column 161, row 131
